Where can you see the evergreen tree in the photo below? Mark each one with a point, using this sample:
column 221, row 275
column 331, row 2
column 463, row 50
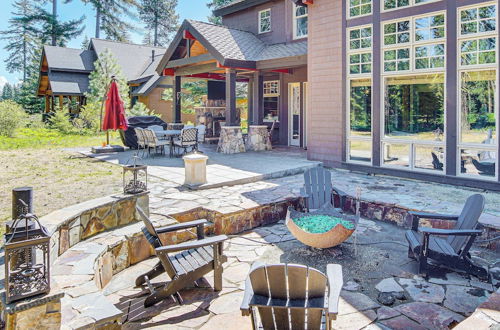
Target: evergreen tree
column 7, row 92
column 85, row 43
column 214, row 4
column 28, row 90
column 110, row 17
column 20, row 37
column 160, row 18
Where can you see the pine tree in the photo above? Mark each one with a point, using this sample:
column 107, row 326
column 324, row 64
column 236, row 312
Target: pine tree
column 20, row 37
column 85, row 43
column 28, row 90
column 214, row 4
column 110, row 17
column 7, row 92
column 160, row 18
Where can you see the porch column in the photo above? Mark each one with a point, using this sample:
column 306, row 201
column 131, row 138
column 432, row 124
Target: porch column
column 61, row 102
column 176, row 102
column 257, row 99
column 47, row 103
column 250, row 101
column 231, row 98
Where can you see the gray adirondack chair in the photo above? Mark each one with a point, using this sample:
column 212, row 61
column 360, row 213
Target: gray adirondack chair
column 299, row 304
column 318, row 189
column 184, row 263
column 452, row 251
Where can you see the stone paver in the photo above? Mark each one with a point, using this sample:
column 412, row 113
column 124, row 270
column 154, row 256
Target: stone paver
column 389, row 285
column 422, row 291
column 430, row 315
column 402, row 322
column 464, row 300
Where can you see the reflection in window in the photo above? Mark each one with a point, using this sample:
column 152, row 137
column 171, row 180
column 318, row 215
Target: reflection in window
column 361, row 107
column 397, row 33
column 429, row 28
column 477, row 115
column 392, row 4
column 429, row 157
column 397, row 60
column 478, row 51
column 300, row 24
column 360, row 38
column 360, row 151
column 265, row 21
column 429, row 56
column 414, row 107
column 396, row 154
column 478, row 20
column 478, row 162
column 360, row 7
column 360, row 63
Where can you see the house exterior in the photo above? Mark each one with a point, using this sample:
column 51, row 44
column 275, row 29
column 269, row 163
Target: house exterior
column 64, row 74
column 263, row 43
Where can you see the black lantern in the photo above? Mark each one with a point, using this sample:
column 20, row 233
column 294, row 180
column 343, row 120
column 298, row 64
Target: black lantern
column 27, row 271
column 135, row 177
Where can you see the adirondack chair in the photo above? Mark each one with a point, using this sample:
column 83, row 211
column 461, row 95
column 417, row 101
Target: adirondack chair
column 318, row 189
column 299, row 304
column 184, row 263
column 452, row 251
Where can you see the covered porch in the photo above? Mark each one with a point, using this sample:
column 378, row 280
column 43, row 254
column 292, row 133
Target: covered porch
column 236, row 64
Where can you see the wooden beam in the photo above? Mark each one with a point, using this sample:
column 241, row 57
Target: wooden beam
column 190, row 70
column 231, row 97
column 47, row 103
column 189, row 60
column 177, row 99
column 61, row 102
column 258, row 99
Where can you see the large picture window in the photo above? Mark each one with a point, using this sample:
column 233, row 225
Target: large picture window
column 360, row 120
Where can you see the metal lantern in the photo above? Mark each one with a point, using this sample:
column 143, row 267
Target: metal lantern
column 135, row 177
column 27, row 262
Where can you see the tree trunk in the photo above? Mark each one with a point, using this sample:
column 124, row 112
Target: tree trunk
column 97, row 21
column 155, row 42
column 54, row 16
column 24, row 56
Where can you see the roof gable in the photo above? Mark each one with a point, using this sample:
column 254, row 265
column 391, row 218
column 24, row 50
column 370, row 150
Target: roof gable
column 69, row 59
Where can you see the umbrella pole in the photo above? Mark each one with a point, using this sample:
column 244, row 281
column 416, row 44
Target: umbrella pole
column 107, row 138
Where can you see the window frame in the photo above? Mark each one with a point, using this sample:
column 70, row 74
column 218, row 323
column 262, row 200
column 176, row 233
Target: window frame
column 267, row 85
column 477, row 34
column 268, row 10
column 411, row 3
column 348, row 14
column 294, row 22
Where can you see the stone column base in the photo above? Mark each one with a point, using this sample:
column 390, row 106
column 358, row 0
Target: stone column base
column 258, row 138
column 231, row 140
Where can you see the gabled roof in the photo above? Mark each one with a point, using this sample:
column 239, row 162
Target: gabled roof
column 68, row 83
column 136, row 61
column 69, row 59
column 276, row 51
column 236, row 6
column 151, row 83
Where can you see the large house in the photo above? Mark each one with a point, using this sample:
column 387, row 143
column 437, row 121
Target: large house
column 64, row 74
column 406, row 88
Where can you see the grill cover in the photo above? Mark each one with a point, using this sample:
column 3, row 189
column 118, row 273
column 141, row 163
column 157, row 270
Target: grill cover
column 129, row 138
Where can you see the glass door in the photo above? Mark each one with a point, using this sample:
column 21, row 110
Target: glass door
column 294, row 114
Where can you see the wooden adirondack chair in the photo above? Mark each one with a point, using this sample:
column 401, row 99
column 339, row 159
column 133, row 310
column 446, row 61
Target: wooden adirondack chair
column 184, row 263
column 299, row 304
column 452, row 251
column 318, row 189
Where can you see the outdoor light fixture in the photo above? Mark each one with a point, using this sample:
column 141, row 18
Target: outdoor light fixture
column 135, row 177
column 27, row 263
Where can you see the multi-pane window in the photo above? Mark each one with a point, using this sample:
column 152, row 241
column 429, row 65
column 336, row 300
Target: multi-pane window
column 300, row 18
column 360, row 38
column 360, row 120
column 397, row 33
column 360, row 63
column 397, row 59
column 395, row 4
column 478, row 51
column 359, row 51
column 360, row 7
column 272, row 88
column 429, row 56
column 265, row 21
column 478, row 20
column 429, row 28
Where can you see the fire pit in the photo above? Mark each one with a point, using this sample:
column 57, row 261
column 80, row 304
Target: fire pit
column 324, row 228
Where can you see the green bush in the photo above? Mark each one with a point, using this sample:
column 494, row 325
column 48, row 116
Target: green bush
column 139, row 109
column 89, row 118
column 62, row 122
column 12, row 117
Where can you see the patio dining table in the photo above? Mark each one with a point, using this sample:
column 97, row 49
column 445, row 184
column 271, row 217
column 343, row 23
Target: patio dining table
column 169, row 134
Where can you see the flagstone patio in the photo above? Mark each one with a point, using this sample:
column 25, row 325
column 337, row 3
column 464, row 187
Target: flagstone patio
column 375, row 265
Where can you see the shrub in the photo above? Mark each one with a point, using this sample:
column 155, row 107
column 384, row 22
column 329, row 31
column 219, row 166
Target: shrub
column 90, row 117
column 139, row 109
column 12, row 117
column 62, row 122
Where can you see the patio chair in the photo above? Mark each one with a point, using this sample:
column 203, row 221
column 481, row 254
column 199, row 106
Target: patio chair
column 141, row 139
column 436, row 163
column 318, row 189
column 452, row 251
column 184, row 263
column 299, row 305
column 157, row 128
column 188, row 139
column 153, row 142
column 201, row 133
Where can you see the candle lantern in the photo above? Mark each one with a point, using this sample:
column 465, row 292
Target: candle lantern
column 27, row 265
column 135, row 177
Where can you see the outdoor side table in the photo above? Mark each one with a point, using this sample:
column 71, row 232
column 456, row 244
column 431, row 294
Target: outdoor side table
column 231, row 140
column 258, row 138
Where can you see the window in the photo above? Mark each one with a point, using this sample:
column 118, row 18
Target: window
column 360, row 7
column 397, row 60
column 360, row 38
column 478, row 20
column 395, row 4
column 429, row 28
column 272, row 88
column 360, row 63
column 299, row 22
column 360, row 120
column 478, row 51
column 271, row 100
column 429, row 56
column 265, row 21
column 397, row 33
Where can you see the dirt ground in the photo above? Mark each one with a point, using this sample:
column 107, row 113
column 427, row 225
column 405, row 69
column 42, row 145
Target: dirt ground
column 59, row 178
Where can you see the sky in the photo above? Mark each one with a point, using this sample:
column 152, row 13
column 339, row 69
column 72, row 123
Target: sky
column 193, row 9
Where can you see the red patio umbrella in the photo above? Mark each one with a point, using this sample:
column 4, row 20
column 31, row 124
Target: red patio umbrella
column 114, row 116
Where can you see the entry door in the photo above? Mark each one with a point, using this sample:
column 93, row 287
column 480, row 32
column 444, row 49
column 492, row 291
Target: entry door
column 294, row 114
